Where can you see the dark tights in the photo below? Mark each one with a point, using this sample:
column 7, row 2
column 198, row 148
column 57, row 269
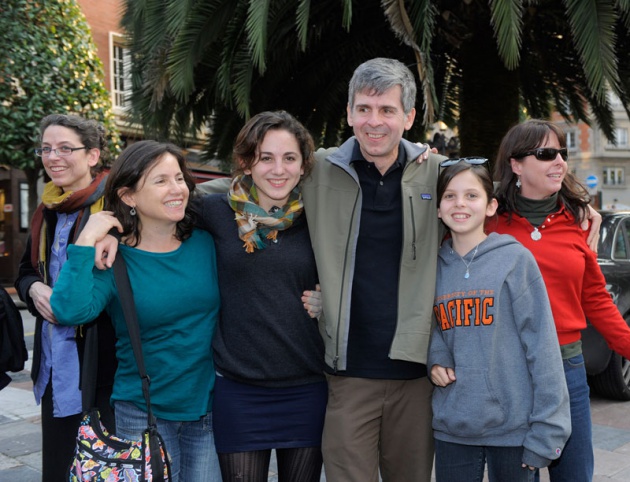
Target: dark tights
column 294, row 465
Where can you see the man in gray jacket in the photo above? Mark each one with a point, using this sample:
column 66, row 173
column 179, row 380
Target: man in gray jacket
column 372, row 214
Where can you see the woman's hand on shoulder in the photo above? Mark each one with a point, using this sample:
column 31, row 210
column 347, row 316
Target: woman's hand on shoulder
column 594, row 219
column 40, row 294
column 97, row 228
column 442, row 376
column 312, row 300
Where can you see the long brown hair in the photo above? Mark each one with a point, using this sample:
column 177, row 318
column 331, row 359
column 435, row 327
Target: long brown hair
column 524, row 137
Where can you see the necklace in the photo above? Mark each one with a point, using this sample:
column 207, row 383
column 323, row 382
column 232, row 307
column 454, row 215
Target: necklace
column 535, row 234
column 467, row 275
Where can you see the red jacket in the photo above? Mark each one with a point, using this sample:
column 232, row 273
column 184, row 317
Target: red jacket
column 575, row 283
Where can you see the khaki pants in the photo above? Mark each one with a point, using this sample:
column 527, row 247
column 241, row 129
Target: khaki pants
column 372, row 424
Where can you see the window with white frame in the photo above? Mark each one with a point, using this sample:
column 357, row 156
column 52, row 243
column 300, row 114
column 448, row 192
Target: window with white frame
column 120, row 73
column 614, row 176
column 571, row 140
column 621, row 136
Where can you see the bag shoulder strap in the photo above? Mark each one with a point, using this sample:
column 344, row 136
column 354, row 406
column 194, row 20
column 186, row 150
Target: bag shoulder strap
column 125, row 295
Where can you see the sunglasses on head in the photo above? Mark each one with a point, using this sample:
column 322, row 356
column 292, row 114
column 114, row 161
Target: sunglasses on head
column 474, row 161
column 545, row 153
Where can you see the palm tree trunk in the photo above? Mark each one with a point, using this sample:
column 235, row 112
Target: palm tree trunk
column 489, row 104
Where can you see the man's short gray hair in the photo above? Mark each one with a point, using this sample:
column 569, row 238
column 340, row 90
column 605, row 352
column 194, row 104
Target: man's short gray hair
column 378, row 75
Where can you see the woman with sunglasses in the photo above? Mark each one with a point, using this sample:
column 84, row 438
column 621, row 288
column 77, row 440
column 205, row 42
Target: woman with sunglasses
column 500, row 395
column 540, row 204
column 72, row 150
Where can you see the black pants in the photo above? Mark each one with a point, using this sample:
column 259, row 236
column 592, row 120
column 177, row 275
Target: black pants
column 59, row 434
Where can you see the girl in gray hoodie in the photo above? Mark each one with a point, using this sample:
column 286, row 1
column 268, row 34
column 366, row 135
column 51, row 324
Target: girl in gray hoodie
column 500, row 395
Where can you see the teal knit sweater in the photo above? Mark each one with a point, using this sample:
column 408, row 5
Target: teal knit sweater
column 177, row 300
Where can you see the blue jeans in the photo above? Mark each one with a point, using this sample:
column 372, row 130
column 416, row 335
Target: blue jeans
column 189, row 444
column 576, row 464
column 466, row 463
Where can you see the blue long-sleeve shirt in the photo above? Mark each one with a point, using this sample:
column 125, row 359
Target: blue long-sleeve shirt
column 59, row 342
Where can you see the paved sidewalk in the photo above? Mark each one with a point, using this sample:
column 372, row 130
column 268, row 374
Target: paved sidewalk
column 20, row 436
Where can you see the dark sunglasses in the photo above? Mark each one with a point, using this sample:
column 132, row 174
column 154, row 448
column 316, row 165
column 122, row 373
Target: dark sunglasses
column 545, row 153
column 474, row 161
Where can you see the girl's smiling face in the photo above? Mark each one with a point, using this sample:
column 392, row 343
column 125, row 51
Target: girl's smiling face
column 277, row 169
column 464, row 205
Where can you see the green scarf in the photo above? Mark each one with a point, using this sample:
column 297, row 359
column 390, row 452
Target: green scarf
column 254, row 223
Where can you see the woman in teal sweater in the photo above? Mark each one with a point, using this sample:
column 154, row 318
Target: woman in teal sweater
column 172, row 269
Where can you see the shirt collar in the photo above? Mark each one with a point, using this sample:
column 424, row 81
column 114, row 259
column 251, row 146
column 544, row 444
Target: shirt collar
column 357, row 155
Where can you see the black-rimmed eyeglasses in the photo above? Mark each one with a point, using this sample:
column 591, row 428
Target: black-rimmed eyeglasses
column 475, row 161
column 544, row 154
column 60, row 151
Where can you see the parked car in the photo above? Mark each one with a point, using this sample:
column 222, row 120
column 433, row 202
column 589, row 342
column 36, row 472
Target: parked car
column 608, row 372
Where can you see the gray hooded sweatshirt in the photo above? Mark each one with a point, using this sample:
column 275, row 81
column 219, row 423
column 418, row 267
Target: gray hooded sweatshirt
column 495, row 328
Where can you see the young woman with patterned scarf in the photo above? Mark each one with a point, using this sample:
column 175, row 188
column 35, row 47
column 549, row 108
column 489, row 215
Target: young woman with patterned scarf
column 270, row 390
column 71, row 150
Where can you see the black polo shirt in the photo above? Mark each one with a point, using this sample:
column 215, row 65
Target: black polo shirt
column 374, row 304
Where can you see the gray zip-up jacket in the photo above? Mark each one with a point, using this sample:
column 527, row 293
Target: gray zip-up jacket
column 332, row 201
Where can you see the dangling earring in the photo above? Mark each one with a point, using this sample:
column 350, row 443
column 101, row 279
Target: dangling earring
column 132, row 211
column 518, row 182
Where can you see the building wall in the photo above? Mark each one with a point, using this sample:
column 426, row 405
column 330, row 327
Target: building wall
column 103, row 16
column 593, row 155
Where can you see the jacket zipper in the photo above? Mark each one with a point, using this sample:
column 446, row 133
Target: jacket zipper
column 336, row 359
column 413, row 228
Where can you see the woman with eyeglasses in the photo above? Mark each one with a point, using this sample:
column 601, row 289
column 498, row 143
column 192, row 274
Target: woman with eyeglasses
column 500, row 398
column 72, row 149
column 540, row 204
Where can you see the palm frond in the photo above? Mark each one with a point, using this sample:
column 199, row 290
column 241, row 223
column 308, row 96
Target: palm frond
column 507, row 20
column 301, row 21
column 400, row 23
column 593, row 28
column 256, row 27
column 624, row 10
column 199, row 34
column 346, row 20
column 242, row 82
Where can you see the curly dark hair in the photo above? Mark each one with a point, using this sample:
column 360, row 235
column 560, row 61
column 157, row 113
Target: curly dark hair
column 92, row 134
column 245, row 151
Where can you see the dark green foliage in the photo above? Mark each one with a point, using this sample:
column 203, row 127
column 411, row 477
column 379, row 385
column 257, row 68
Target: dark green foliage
column 217, row 62
column 48, row 64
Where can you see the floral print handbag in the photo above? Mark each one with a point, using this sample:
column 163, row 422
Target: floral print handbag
column 100, row 456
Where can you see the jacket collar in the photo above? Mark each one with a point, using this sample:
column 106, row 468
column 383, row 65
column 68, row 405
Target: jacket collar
column 343, row 155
